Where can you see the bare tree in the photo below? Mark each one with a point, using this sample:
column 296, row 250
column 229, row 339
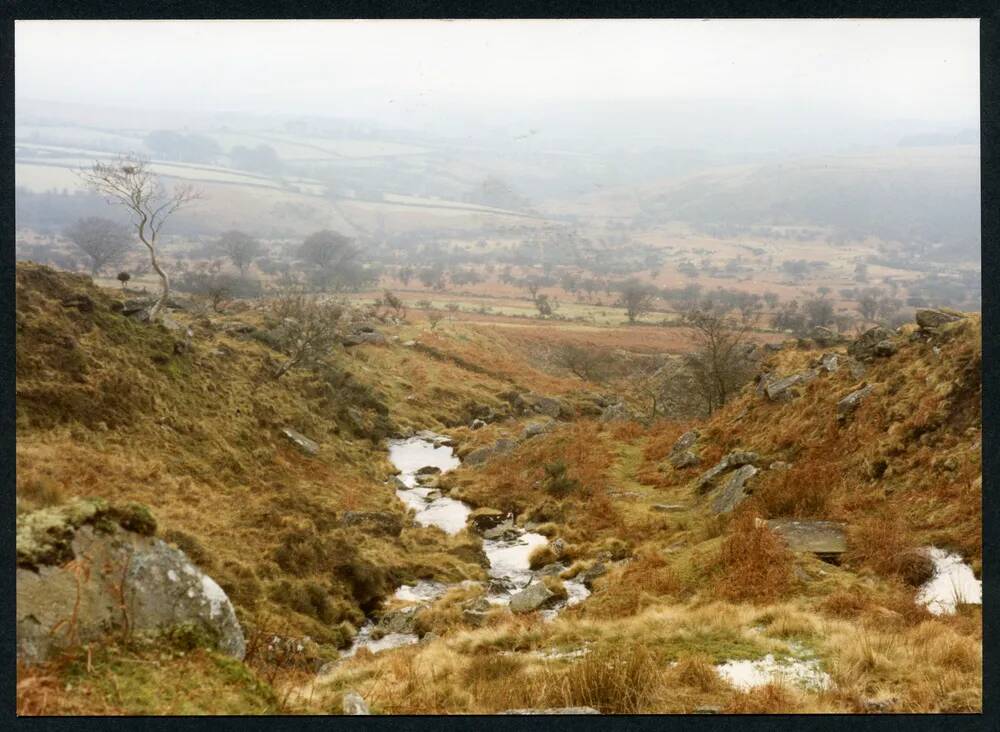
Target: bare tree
column 309, row 328
column 241, row 248
column 128, row 181
column 103, row 240
column 720, row 364
column 590, row 364
column 637, row 299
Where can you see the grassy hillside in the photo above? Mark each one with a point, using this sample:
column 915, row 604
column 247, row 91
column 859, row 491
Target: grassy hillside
column 113, row 408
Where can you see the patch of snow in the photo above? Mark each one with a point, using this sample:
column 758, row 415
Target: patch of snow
column 749, row 674
column 953, row 584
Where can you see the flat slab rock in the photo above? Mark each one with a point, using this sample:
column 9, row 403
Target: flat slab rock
column 307, row 446
column 817, row 537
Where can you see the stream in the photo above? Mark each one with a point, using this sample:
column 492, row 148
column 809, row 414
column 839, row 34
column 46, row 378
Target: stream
column 508, row 555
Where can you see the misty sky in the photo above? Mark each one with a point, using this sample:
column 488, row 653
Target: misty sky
column 882, row 69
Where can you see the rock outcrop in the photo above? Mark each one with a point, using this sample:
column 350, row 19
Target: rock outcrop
column 734, row 491
column 873, row 342
column 86, row 570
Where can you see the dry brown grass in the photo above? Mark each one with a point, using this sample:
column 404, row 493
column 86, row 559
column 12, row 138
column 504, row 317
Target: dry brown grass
column 754, row 564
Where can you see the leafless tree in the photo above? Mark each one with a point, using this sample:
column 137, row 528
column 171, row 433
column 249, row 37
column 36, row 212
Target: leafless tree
column 103, row 240
column 308, row 329
column 128, row 181
column 637, row 299
column 590, row 364
column 719, row 366
column 241, row 248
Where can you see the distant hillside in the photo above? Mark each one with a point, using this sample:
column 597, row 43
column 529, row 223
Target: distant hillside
column 928, row 196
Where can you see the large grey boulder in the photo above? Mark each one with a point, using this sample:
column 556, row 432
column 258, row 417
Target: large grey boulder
column 307, row 446
column 82, row 575
column 866, row 346
column 933, row 318
column 734, row 492
column 534, row 596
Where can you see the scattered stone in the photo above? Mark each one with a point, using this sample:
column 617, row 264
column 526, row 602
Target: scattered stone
column 484, row 454
column 825, row 538
column 857, row 369
column 885, row 348
column 353, row 704
column 685, row 442
column 734, row 459
column 865, row 346
column 598, row 569
column 734, row 491
column 707, row 710
column 362, row 337
column 824, row 337
column 538, row 428
column 534, row 596
column 554, row 710
column 539, row 404
column 779, row 465
column 474, row 612
column 667, row 507
column 483, row 519
column 307, row 446
column 234, row 328
column 829, row 362
column 83, row 303
column 398, row 621
column 428, row 470
column 477, row 424
column 877, row 706
column 782, row 389
column 617, row 413
column 933, row 318
column 684, row 459
column 851, row 402
column 376, row 522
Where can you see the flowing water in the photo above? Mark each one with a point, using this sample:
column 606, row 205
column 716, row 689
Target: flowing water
column 508, row 556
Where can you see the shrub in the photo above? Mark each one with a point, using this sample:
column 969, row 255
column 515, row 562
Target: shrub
column 803, row 491
column 756, row 565
column 556, row 482
column 619, row 680
column 882, row 543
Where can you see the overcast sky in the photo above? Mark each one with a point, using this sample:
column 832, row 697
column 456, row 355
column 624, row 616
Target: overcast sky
column 884, row 69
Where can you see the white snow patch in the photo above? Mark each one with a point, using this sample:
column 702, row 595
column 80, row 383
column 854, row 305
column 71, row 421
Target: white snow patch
column 749, row 674
column 953, row 584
